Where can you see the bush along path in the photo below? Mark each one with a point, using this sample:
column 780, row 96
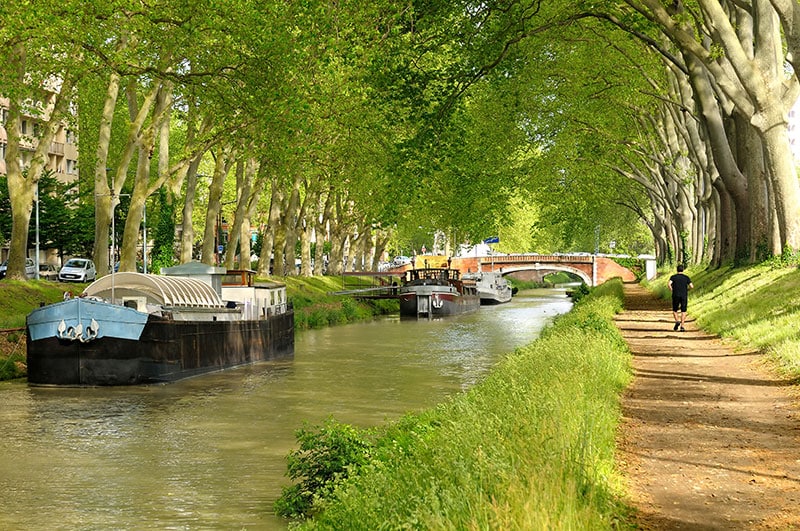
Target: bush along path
column 710, row 437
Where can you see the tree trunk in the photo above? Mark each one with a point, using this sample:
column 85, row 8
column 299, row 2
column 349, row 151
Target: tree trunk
column 382, row 238
column 305, row 249
column 102, row 191
column 22, row 186
column 291, row 218
column 245, row 175
column 266, row 261
column 785, row 186
column 187, row 227
column 133, row 220
column 278, row 251
column 321, row 235
column 212, row 229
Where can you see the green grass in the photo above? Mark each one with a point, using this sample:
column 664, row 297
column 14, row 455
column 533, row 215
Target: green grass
column 530, row 447
column 757, row 306
column 19, row 297
column 315, row 308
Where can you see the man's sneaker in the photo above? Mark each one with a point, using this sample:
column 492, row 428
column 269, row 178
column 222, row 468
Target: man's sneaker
column 683, row 329
column 676, row 326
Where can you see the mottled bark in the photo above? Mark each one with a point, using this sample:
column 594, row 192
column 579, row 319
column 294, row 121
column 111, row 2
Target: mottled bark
column 209, row 253
column 22, row 184
column 268, row 234
column 321, row 234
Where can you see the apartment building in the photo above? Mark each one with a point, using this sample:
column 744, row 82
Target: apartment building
column 63, row 152
column 62, row 159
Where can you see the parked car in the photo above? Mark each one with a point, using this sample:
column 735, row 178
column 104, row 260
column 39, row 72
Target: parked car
column 30, row 268
column 78, row 270
column 48, row 272
column 401, row 261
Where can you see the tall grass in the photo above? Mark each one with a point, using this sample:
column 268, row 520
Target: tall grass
column 19, row 297
column 315, row 307
column 758, row 306
column 531, row 447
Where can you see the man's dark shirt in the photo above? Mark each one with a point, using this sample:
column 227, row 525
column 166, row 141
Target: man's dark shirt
column 680, row 285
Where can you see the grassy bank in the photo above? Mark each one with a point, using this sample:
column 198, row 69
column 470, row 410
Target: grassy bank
column 313, row 306
column 757, row 306
column 531, row 447
column 17, row 299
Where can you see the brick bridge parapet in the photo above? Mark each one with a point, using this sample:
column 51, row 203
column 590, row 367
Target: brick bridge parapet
column 592, row 269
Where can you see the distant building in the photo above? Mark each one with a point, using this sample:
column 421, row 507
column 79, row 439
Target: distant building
column 63, row 152
column 62, row 157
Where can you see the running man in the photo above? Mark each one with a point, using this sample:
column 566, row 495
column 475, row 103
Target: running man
column 679, row 284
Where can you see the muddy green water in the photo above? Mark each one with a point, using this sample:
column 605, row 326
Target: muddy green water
column 209, row 452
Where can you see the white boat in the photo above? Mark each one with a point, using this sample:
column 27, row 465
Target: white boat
column 492, row 287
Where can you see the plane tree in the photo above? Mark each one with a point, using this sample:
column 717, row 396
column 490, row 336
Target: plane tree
column 37, row 76
column 729, row 60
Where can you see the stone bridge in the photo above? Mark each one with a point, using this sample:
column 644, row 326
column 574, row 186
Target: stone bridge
column 592, row 269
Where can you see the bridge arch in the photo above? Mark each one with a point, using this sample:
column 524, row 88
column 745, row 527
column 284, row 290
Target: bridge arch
column 550, row 268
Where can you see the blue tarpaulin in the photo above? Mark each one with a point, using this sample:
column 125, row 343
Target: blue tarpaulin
column 493, row 239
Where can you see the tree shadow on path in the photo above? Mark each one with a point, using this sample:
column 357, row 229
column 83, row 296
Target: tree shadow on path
column 709, row 438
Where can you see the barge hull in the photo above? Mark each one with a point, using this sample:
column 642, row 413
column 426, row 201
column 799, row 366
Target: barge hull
column 414, row 305
column 166, row 351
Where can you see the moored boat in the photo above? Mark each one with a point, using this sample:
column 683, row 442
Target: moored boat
column 134, row 328
column 492, row 287
column 433, row 292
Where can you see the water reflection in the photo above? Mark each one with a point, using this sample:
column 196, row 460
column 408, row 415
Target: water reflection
column 209, row 452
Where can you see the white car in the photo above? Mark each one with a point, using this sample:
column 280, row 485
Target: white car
column 78, row 270
column 400, row 261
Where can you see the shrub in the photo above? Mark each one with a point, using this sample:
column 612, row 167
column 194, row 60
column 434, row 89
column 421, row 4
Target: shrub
column 580, row 292
column 326, row 455
column 13, row 367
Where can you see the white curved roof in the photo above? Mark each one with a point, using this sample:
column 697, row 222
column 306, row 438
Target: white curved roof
column 162, row 290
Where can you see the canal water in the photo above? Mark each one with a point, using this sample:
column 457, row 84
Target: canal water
column 209, row 452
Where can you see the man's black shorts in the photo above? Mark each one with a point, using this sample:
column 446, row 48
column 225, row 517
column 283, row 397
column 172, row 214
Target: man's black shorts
column 679, row 303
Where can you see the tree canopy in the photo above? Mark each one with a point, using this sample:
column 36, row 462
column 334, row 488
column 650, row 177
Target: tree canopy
column 386, row 126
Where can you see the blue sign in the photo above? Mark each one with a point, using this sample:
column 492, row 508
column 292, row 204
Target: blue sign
column 493, row 239
column 219, row 249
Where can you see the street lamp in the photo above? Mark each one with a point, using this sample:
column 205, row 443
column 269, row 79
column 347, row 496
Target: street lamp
column 36, row 198
column 114, row 203
column 220, row 232
column 144, row 238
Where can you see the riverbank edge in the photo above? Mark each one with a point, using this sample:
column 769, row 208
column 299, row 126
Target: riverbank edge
column 446, row 469
column 313, row 306
column 530, row 447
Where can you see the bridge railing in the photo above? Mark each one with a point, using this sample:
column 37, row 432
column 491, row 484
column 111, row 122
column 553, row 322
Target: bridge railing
column 541, row 258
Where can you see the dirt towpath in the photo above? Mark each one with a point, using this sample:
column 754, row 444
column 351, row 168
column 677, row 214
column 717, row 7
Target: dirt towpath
column 710, row 438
